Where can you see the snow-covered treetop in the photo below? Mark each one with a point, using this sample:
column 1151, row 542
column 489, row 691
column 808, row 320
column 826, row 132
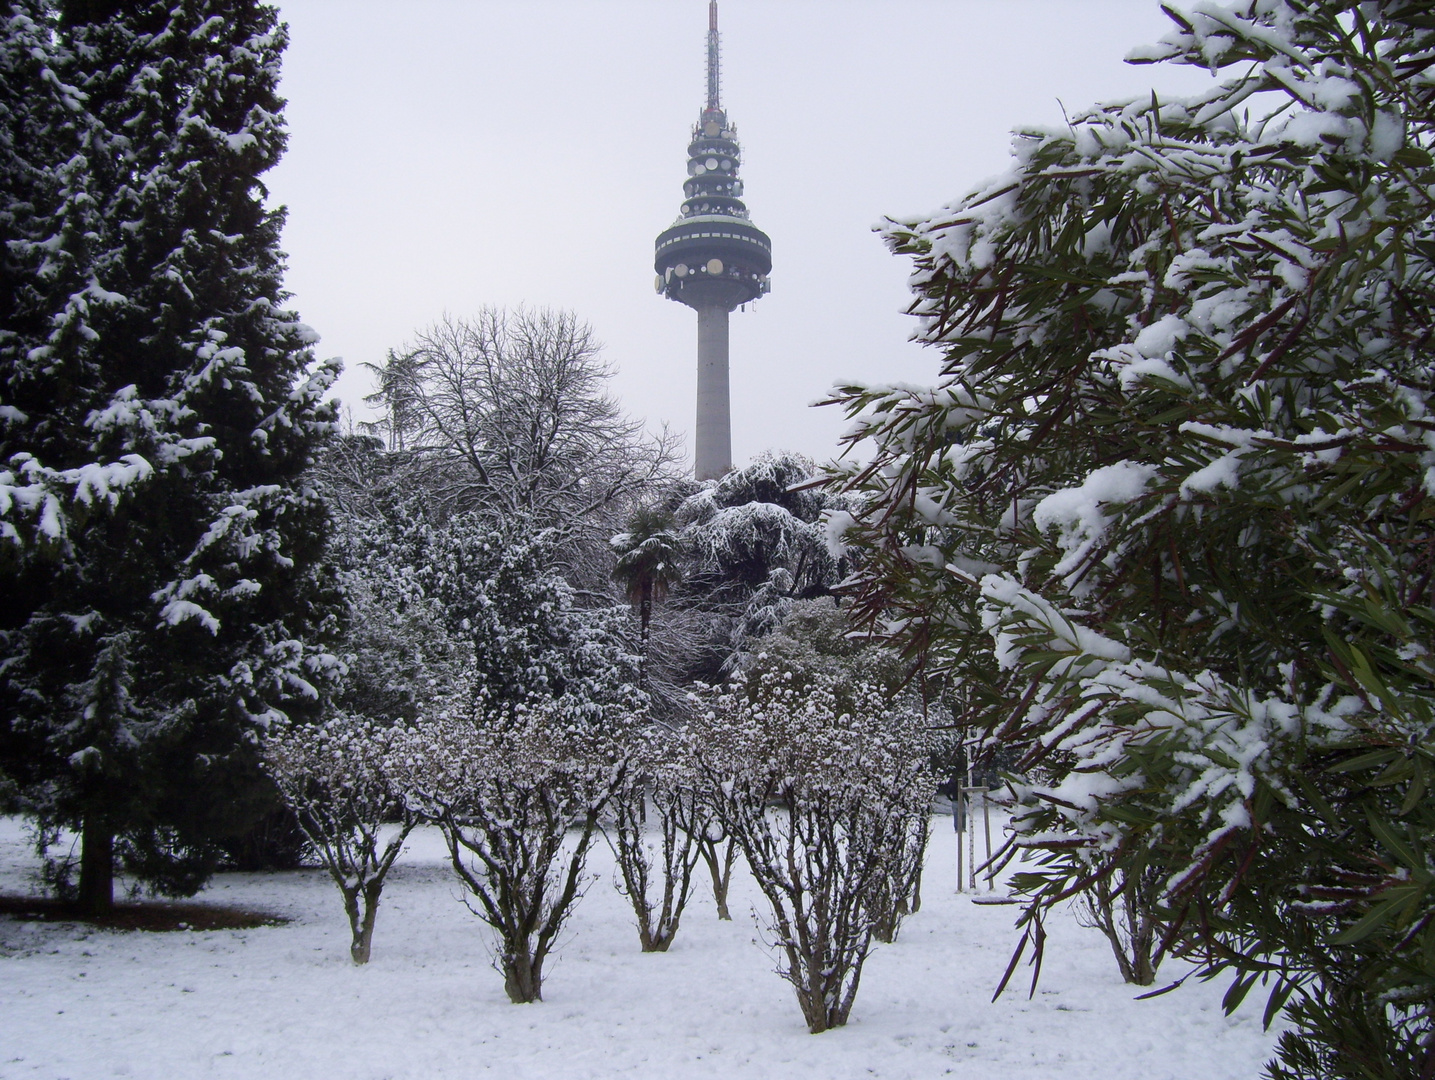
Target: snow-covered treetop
column 1237, row 274
column 465, row 755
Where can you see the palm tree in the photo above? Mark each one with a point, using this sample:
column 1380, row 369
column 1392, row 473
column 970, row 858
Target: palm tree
column 648, row 566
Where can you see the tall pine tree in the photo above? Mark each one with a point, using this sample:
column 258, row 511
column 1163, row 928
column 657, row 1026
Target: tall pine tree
column 159, row 408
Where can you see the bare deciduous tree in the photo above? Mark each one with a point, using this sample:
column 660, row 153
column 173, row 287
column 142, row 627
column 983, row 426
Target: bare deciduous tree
column 508, row 413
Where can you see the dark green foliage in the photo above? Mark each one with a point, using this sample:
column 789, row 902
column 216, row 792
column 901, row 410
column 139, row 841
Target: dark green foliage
column 440, row 600
column 649, row 564
column 752, row 545
column 161, row 412
column 1166, row 522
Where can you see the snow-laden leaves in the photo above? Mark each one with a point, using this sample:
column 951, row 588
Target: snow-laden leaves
column 1165, row 518
column 754, row 544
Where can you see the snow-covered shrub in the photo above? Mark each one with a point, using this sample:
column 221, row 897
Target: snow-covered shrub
column 899, row 891
column 401, row 652
column 1167, row 513
column 335, row 777
column 661, row 777
column 824, row 785
column 517, row 794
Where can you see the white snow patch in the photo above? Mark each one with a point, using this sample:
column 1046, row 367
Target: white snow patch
column 284, row 1001
column 1080, row 507
column 1158, row 339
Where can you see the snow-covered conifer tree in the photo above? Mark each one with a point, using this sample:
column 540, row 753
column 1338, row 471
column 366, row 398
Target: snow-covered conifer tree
column 160, row 409
column 752, row 544
column 401, row 648
column 500, row 591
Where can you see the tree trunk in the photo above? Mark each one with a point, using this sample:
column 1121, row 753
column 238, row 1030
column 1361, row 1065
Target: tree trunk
column 645, row 618
column 1143, row 932
column 361, row 924
column 522, row 975
column 720, row 871
column 97, row 868
column 825, row 992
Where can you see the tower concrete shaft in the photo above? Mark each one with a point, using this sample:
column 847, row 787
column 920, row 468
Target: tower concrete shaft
column 713, row 259
column 712, row 452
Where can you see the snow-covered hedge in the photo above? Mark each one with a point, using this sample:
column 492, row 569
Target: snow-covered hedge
column 507, row 788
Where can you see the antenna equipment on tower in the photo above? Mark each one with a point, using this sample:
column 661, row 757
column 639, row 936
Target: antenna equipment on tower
column 714, row 58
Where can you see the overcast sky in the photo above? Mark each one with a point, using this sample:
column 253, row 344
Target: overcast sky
column 445, row 156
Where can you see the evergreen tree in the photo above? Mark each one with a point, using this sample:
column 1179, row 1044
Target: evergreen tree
column 1166, row 518
column 161, row 407
column 501, row 594
column 753, row 543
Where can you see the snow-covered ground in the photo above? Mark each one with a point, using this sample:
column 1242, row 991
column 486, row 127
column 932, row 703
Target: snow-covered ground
column 284, row 1002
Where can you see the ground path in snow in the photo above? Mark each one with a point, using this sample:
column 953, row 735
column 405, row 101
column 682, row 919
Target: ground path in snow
column 285, row 1003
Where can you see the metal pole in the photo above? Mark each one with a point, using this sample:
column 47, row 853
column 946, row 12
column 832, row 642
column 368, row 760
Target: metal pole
column 959, row 827
column 987, row 824
column 972, row 846
column 714, row 58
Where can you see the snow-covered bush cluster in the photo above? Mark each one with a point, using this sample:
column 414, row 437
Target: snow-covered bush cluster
column 338, row 779
column 826, row 785
column 516, row 792
column 507, row 788
column 500, row 685
column 806, row 764
column 1166, row 516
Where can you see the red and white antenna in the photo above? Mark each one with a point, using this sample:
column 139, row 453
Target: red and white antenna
column 714, row 58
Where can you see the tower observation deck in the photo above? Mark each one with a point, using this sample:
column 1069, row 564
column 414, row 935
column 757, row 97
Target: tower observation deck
column 713, row 259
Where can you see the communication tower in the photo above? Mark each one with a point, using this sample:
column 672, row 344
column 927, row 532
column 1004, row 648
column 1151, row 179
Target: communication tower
column 713, row 259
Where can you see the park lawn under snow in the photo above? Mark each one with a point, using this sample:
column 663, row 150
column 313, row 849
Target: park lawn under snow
column 285, row 1002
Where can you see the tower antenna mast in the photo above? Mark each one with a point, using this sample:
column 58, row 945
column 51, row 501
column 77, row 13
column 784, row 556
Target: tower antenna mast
column 714, row 58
